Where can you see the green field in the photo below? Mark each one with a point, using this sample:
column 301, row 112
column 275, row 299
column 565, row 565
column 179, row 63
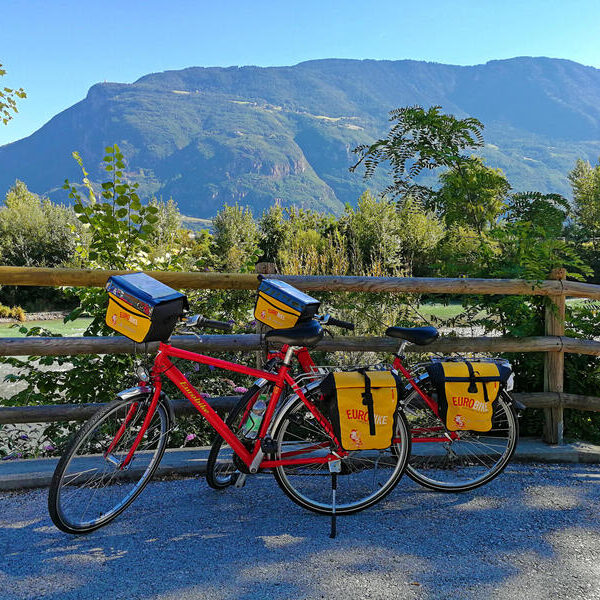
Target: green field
column 72, row 328
column 77, row 327
column 441, row 311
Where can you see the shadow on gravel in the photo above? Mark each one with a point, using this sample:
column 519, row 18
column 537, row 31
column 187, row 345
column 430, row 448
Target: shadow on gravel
column 532, row 533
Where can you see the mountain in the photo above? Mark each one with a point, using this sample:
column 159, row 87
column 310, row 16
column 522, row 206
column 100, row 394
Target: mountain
column 206, row 136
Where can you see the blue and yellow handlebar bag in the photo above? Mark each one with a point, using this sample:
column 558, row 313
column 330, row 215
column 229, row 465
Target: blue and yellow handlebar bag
column 466, row 392
column 281, row 306
column 142, row 308
column 362, row 408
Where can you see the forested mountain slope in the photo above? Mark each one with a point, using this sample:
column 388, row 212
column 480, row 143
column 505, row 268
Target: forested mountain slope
column 206, row 136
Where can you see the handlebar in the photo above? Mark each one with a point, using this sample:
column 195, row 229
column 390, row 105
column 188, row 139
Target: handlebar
column 329, row 320
column 200, row 321
column 212, row 324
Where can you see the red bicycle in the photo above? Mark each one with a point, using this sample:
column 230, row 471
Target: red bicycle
column 451, row 461
column 115, row 454
column 441, row 460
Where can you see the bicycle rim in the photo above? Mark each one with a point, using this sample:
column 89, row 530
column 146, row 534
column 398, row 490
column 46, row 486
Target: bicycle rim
column 89, row 489
column 221, row 471
column 367, row 476
column 463, row 464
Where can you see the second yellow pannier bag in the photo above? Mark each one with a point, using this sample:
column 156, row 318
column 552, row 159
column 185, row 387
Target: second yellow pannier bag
column 466, row 392
column 362, row 408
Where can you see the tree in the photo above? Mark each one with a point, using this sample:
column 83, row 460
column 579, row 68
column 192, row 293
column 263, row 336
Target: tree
column 388, row 237
column 8, row 103
column 472, row 194
column 546, row 211
column 235, row 239
column 34, row 232
column 419, row 140
column 585, row 183
column 372, row 231
column 274, row 232
column 419, row 234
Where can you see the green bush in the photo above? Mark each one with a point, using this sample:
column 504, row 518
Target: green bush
column 12, row 312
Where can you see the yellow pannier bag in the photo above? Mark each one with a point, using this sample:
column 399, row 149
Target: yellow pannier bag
column 362, row 408
column 466, row 392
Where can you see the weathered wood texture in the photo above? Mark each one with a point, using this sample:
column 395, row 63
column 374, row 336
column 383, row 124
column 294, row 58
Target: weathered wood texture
column 247, row 281
column 554, row 362
column 48, row 413
column 52, row 346
column 82, row 412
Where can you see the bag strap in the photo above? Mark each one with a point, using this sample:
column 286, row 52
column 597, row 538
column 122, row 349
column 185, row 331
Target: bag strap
column 473, row 385
column 473, row 381
column 368, row 401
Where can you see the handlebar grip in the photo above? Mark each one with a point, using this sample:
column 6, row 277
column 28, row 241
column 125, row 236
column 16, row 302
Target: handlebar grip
column 212, row 324
column 342, row 324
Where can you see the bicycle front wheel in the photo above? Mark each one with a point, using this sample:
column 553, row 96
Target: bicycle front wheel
column 89, row 488
column 367, row 476
column 467, row 462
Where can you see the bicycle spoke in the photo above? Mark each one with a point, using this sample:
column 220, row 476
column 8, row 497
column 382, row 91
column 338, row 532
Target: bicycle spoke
column 88, row 489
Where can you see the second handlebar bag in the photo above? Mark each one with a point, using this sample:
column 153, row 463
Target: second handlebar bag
column 280, row 305
column 466, row 392
column 362, row 408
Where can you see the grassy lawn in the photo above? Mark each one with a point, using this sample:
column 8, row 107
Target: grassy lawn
column 76, row 328
column 441, row 311
column 72, row 328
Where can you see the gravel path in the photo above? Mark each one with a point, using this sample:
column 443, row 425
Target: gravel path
column 533, row 533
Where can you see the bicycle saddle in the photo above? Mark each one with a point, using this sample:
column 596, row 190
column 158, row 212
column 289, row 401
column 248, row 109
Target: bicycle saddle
column 416, row 335
column 306, row 334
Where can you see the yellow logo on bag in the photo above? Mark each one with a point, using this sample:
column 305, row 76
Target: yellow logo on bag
column 468, row 409
column 126, row 319
column 274, row 313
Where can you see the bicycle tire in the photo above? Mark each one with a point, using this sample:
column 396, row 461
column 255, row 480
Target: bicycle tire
column 464, row 464
column 103, row 490
column 367, row 476
column 221, row 471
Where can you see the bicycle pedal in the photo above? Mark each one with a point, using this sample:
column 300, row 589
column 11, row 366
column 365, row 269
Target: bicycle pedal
column 240, row 480
column 268, row 445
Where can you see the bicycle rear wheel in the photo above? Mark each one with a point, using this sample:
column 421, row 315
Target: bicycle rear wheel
column 367, row 476
column 471, row 460
column 89, row 489
column 221, row 469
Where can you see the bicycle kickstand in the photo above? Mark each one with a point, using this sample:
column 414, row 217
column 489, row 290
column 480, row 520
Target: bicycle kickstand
column 335, row 467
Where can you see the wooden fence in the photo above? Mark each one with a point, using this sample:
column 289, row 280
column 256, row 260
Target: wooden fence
column 554, row 344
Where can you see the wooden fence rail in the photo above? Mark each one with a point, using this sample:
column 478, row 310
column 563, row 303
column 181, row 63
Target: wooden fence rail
column 52, row 346
column 554, row 344
column 48, row 413
column 246, row 281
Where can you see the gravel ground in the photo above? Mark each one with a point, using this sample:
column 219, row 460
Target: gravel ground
column 532, row 533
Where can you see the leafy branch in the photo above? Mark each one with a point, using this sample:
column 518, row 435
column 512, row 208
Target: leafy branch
column 419, row 140
column 8, row 103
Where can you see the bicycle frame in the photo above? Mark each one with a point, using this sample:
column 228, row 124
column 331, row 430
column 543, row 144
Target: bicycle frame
column 430, row 402
column 252, row 459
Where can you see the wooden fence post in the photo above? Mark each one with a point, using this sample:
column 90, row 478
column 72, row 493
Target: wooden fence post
column 263, row 268
column 554, row 362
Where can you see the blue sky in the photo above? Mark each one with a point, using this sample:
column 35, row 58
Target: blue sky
column 57, row 49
